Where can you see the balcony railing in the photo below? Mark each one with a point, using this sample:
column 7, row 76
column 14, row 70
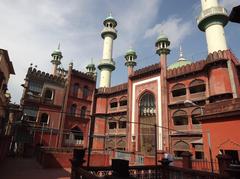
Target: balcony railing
column 211, row 11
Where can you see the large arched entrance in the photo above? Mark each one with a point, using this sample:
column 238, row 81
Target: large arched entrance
column 147, row 120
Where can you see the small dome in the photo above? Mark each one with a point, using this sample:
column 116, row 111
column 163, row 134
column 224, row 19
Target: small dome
column 131, row 52
column 57, row 51
column 180, row 62
column 163, row 38
column 110, row 18
column 91, row 65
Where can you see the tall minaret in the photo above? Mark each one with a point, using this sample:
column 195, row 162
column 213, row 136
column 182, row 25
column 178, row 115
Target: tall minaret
column 57, row 56
column 162, row 49
column 130, row 58
column 107, row 65
column 212, row 20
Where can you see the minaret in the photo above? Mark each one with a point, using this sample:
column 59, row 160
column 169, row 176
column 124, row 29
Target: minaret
column 107, row 65
column 212, row 20
column 91, row 69
column 130, row 58
column 57, row 56
column 162, row 50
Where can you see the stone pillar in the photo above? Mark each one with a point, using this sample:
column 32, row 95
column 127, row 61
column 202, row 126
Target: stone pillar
column 187, row 159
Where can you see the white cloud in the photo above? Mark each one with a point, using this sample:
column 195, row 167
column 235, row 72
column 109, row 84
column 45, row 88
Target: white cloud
column 174, row 27
column 229, row 4
column 30, row 31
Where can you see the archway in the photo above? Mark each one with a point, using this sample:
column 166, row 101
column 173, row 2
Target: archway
column 147, row 120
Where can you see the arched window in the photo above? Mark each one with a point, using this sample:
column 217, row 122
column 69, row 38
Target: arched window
column 75, row 90
column 78, row 134
column 195, row 112
column 44, row 118
column 147, row 105
column 180, row 147
column 73, row 109
column 197, row 86
column 83, row 112
column 113, row 103
column 180, row 118
column 48, row 94
column 85, row 92
column 178, row 90
column 123, row 101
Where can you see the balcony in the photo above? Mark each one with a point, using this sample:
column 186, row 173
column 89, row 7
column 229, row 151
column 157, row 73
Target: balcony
column 210, row 12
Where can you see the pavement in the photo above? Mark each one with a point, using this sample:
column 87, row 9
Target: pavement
column 22, row 168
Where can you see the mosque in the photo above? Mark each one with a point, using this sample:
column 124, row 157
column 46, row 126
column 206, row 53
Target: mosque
column 156, row 111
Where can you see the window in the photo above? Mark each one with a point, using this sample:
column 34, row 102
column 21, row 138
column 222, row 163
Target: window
column 44, row 118
column 73, row 109
column 147, row 105
column 195, row 112
column 122, row 124
column 85, row 92
column 78, row 134
column 178, row 90
column 83, row 112
column 35, row 87
column 30, row 114
column 123, row 101
column 197, row 86
column 180, row 118
column 75, row 90
column 112, row 125
column 180, row 147
column 48, row 94
column 113, row 103
column 199, row 155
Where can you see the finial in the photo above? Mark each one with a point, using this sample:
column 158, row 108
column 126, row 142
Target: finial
column 91, row 60
column 35, row 66
column 110, row 14
column 180, row 52
column 31, row 64
column 59, row 46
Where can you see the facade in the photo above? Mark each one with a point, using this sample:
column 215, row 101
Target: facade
column 6, row 69
column 155, row 112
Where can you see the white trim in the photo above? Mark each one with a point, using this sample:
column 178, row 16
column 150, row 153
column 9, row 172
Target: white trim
column 159, row 116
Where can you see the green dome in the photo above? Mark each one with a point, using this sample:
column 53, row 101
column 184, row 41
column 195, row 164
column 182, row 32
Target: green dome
column 130, row 52
column 163, row 38
column 110, row 18
column 179, row 63
column 90, row 66
column 57, row 52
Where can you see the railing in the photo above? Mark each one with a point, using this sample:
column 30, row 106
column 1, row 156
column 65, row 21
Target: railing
column 205, row 165
column 148, row 172
column 211, row 11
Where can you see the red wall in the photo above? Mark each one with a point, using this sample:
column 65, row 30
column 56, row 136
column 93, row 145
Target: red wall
column 224, row 134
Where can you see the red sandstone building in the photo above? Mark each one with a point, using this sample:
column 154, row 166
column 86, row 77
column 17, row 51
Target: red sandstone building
column 149, row 114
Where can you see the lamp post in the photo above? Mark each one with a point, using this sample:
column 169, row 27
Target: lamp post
column 190, row 103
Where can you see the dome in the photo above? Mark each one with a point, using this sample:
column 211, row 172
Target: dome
column 131, row 52
column 90, row 66
column 57, row 51
column 110, row 18
column 180, row 62
column 163, row 38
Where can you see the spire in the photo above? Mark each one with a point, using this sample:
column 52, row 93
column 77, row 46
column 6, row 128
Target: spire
column 58, row 46
column 180, row 52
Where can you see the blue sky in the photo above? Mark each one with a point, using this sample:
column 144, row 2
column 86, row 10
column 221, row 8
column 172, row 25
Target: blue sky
column 31, row 30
